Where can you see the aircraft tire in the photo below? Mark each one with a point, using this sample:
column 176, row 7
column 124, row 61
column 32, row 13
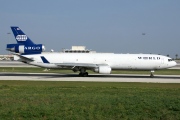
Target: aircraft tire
column 151, row 75
column 85, row 74
column 80, row 74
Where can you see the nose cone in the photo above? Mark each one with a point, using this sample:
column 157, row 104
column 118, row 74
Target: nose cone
column 173, row 63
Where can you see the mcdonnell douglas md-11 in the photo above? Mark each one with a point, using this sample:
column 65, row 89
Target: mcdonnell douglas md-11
column 30, row 53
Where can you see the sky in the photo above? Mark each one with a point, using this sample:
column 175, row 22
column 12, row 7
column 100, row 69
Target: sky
column 115, row 26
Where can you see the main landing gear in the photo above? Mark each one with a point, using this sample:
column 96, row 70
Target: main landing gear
column 151, row 74
column 83, row 72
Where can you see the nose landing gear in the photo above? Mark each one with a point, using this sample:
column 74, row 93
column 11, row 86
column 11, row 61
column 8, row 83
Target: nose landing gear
column 151, row 74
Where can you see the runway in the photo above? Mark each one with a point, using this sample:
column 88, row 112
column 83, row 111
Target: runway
column 90, row 78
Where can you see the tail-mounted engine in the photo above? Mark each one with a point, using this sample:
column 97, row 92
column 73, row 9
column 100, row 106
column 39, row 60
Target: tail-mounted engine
column 26, row 49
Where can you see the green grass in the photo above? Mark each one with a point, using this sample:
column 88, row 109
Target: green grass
column 41, row 70
column 88, row 100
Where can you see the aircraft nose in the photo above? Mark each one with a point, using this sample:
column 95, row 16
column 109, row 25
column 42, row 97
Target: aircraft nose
column 174, row 63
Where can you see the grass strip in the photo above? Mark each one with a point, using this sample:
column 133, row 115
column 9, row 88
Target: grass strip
column 88, row 100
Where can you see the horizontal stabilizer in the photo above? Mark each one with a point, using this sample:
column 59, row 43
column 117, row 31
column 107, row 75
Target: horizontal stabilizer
column 24, row 59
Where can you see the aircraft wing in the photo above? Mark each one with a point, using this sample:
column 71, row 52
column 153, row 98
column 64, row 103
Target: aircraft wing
column 73, row 64
column 87, row 65
column 77, row 65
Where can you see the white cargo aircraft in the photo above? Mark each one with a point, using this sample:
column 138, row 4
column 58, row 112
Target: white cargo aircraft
column 102, row 63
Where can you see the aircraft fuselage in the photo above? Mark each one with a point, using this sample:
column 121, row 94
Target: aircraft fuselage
column 115, row 61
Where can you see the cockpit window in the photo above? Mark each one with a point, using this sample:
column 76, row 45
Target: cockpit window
column 169, row 60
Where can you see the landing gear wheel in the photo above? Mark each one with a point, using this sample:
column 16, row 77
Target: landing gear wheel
column 80, row 74
column 151, row 75
column 83, row 74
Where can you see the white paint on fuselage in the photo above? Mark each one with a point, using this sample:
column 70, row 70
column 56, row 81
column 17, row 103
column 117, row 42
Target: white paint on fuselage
column 115, row 61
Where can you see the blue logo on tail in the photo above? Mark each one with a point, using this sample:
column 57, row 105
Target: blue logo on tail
column 21, row 38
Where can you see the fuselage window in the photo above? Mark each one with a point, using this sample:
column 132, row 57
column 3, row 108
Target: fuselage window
column 158, row 58
column 154, row 58
column 150, row 58
column 139, row 57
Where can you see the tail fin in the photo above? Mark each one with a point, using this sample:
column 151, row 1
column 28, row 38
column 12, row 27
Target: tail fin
column 20, row 37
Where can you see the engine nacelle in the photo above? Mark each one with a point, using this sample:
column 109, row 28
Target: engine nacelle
column 103, row 70
column 26, row 49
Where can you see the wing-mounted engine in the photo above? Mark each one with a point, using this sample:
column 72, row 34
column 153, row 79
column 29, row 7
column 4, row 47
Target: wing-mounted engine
column 26, row 49
column 103, row 69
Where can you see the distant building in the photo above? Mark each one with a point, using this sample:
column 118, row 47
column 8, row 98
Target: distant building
column 6, row 57
column 78, row 49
